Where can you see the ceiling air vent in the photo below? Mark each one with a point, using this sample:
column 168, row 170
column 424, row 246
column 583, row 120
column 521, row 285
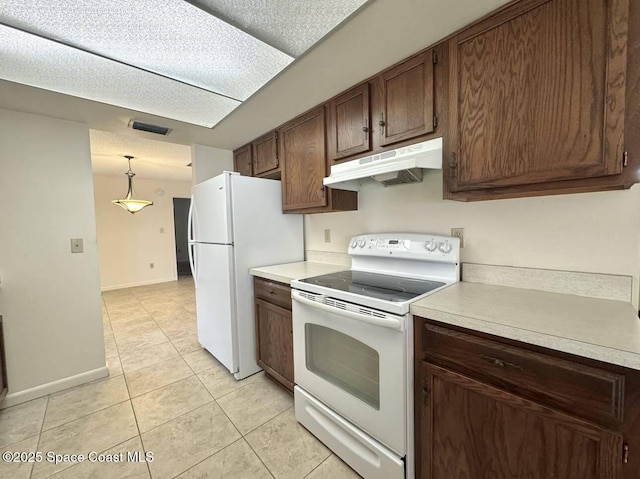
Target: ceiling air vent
column 158, row 130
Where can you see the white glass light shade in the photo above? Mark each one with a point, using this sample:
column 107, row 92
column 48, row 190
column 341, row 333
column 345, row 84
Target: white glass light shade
column 128, row 203
column 132, row 206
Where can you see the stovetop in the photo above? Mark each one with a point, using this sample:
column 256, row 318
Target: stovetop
column 389, row 271
column 374, row 285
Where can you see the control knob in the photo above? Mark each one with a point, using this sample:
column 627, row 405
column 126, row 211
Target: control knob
column 445, row 247
column 354, row 243
column 361, row 243
column 431, row 245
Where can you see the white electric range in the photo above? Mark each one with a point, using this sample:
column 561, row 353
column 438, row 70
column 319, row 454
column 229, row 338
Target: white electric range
column 353, row 347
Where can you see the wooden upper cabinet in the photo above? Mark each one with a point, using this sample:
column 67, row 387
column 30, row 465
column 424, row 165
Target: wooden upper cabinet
column 242, row 160
column 304, row 161
column 538, row 95
column 348, row 124
column 406, row 100
column 304, row 165
column 265, row 154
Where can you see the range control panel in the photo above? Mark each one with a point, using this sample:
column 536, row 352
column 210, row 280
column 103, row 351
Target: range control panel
column 407, row 245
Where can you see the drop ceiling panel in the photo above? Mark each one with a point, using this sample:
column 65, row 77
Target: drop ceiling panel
column 35, row 61
column 169, row 37
column 292, row 26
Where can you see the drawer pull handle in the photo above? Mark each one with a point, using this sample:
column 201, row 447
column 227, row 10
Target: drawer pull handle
column 272, row 292
column 499, row 362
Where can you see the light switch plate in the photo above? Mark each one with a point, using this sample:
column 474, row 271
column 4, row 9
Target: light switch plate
column 76, row 245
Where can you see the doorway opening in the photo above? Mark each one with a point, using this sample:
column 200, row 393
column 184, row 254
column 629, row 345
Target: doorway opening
column 181, row 222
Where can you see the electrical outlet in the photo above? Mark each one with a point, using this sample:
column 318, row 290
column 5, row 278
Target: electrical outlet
column 327, row 236
column 151, row 265
column 458, row 233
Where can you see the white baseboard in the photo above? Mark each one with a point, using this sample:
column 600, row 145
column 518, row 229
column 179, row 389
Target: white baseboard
column 140, row 283
column 11, row 399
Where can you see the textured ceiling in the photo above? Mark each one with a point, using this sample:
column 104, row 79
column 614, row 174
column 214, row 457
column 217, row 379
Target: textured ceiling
column 379, row 34
column 152, row 159
column 290, row 26
column 169, row 58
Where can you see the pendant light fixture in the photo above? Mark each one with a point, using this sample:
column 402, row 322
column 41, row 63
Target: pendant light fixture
column 128, row 203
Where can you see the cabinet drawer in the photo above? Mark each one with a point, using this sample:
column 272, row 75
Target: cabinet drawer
column 581, row 390
column 273, row 292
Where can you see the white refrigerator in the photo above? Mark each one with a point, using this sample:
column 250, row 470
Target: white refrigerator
column 236, row 223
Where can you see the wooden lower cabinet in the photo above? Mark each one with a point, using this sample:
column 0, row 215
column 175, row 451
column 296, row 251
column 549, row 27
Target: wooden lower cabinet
column 473, row 430
column 274, row 334
column 487, row 419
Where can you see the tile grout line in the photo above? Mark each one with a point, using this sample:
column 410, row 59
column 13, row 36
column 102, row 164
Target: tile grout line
column 194, row 374
column 182, row 356
column 223, row 412
column 241, row 438
column 135, row 418
column 63, row 471
column 321, row 463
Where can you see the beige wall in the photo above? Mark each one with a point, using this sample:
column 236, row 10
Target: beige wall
column 49, row 297
column 593, row 232
column 127, row 243
column 208, row 162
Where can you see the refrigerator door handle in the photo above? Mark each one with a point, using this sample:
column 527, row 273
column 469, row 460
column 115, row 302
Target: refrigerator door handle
column 190, row 223
column 192, row 264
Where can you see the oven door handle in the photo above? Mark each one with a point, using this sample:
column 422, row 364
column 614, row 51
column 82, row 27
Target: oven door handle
column 397, row 324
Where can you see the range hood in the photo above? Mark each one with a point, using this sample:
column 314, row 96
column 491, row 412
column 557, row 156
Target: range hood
column 393, row 167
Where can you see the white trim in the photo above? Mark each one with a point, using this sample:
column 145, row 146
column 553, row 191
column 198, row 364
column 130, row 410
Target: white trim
column 140, row 283
column 19, row 397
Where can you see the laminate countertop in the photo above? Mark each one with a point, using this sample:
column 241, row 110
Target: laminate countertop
column 601, row 329
column 285, row 273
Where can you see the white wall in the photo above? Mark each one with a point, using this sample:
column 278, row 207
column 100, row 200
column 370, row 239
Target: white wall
column 589, row 232
column 49, row 297
column 128, row 243
column 208, row 162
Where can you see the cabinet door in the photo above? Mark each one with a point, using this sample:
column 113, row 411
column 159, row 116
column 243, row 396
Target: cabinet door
column 242, row 161
column 538, row 95
column 265, row 154
column 348, row 127
column 274, row 341
column 303, row 161
column 471, row 430
column 407, row 100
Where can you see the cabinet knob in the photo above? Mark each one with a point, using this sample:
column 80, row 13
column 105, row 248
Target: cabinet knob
column 382, row 122
column 453, row 165
column 499, row 362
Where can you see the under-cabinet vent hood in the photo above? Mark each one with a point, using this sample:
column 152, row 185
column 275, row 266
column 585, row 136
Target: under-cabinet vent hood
column 393, row 167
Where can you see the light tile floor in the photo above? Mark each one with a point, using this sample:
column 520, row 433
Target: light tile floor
column 168, row 397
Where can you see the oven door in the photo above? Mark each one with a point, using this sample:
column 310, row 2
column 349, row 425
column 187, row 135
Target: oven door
column 353, row 360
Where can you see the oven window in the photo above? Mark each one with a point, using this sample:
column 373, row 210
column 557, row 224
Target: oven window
column 345, row 362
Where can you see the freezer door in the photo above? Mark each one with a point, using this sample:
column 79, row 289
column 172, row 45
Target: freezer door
column 210, row 211
column 215, row 304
